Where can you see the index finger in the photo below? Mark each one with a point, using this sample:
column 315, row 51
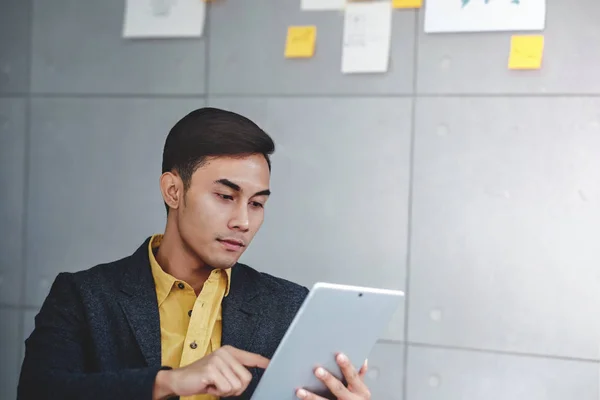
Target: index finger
column 249, row 359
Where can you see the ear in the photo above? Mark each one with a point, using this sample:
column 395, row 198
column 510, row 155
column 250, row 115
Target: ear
column 171, row 187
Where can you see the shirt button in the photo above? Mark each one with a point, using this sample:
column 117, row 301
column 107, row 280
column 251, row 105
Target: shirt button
column 193, row 345
column 190, row 313
column 180, row 285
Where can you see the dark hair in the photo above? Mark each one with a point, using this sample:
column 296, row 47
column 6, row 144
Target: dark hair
column 211, row 132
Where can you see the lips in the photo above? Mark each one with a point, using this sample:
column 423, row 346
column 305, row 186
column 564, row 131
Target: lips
column 232, row 244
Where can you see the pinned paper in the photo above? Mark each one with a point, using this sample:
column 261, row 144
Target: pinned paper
column 526, row 52
column 322, row 5
column 300, row 41
column 407, row 3
column 367, row 37
column 163, row 18
column 484, row 15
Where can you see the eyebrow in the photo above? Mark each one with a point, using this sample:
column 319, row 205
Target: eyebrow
column 237, row 188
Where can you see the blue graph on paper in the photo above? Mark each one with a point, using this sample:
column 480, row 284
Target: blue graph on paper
column 466, row 2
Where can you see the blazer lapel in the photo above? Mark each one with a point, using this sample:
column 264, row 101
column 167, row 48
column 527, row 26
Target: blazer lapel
column 241, row 311
column 242, row 316
column 140, row 305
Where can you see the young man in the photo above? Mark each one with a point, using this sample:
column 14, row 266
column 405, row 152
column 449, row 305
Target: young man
column 180, row 316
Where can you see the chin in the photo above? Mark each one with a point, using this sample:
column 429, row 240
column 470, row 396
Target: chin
column 223, row 266
column 225, row 263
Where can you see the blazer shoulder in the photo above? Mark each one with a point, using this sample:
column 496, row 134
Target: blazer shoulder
column 112, row 270
column 71, row 291
column 99, row 275
column 276, row 285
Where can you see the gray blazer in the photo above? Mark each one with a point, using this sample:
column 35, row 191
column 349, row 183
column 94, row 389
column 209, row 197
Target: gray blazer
column 97, row 335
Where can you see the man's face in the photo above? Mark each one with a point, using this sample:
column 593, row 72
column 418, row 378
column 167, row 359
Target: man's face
column 224, row 208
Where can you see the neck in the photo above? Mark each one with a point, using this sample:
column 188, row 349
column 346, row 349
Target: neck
column 178, row 260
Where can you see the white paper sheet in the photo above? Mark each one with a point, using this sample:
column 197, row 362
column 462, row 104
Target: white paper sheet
column 164, row 18
column 322, row 5
column 484, row 15
column 367, row 36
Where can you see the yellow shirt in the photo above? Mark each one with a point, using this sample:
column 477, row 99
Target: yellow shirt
column 190, row 325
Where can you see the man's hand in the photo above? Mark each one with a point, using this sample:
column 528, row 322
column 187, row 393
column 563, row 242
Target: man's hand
column 222, row 373
column 356, row 389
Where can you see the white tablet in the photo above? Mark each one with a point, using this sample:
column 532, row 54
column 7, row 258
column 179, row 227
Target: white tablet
column 333, row 318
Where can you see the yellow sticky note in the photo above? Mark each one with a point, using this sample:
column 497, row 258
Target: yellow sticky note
column 407, row 3
column 300, row 41
column 526, row 52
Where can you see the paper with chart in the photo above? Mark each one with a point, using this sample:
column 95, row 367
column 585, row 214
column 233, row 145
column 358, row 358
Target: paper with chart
column 164, row 18
column 322, row 5
column 484, row 15
column 367, row 36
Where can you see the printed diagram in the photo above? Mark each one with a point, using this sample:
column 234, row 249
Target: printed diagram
column 357, row 32
column 484, row 15
column 466, row 2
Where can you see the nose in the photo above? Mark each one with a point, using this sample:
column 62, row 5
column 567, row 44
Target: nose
column 240, row 220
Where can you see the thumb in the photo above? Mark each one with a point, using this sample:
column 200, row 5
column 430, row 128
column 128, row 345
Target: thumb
column 363, row 370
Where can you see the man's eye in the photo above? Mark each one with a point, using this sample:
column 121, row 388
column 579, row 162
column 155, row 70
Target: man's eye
column 225, row 196
column 257, row 204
